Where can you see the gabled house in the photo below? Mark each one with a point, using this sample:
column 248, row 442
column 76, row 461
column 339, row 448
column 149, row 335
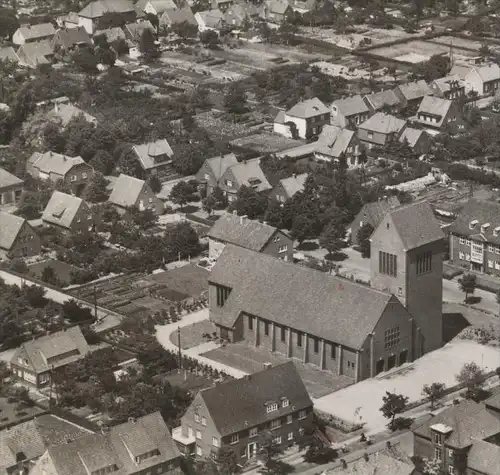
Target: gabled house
column 17, row 236
column 474, row 237
column 138, row 447
column 372, row 214
column 177, row 16
column 69, row 214
column 449, row 87
column 235, row 15
column 71, row 38
column 464, row 437
column 30, row 33
column 417, row 139
column 68, row 112
column 349, row 112
column 386, row 101
column 304, row 6
column 111, row 34
column 246, row 173
column 274, row 399
column 483, row 79
column 32, row 438
column 155, row 158
column 34, row 361
column 213, row 169
column 335, row 142
column 134, row 31
column 8, row 53
column 412, row 93
column 11, row 188
column 129, row 192
column 250, row 234
column 380, row 129
column 90, row 16
column 288, row 187
column 52, row 166
column 33, row 54
column 304, row 120
column 276, row 11
column 209, row 20
column 156, row 7
column 436, row 114
column 70, row 20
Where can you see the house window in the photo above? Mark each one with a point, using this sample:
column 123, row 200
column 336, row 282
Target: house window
column 497, row 265
column 438, row 438
column 370, row 135
column 301, row 431
column 203, row 421
column 222, row 294
column 467, row 242
column 290, row 436
column 302, row 414
column 199, row 451
column 349, row 149
column 207, row 176
column 424, row 262
column 266, row 328
column 391, row 338
column 461, row 240
column 196, row 417
column 387, row 263
column 253, row 432
column 235, row 438
column 289, row 419
column 272, row 407
column 283, row 333
column 215, row 442
column 497, row 250
column 229, row 183
column 150, row 200
column 73, row 177
column 283, row 248
column 250, row 322
column 333, row 351
column 276, row 238
column 84, row 175
column 491, row 248
column 451, row 469
column 467, row 257
column 277, row 440
column 490, row 264
column 461, row 255
column 316, row 345
column 299, row 339
column 276, row 424
column 437, row 453
column 450, row 453
column 285, row 403
column 198, row 434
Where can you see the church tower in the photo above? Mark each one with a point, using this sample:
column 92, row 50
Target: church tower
column 407, row 261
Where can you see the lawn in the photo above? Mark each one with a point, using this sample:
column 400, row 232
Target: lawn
column 192, row 335
column 189, row 280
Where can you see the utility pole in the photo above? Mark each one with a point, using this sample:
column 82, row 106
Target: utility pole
column 95, row 302
column 179, row 346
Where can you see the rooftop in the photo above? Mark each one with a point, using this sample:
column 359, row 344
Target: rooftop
column 8, row 179
column 350, row 106
column 293, row 184
column 374, row 212
column 126, row 191
column 62, row 209
column 381, row 99
column 415, row 90
column 241, row 231
column 307, row 109
column 334, row 141
column 150, row 153
column 305, row 299
column 11, row 225
column 383, row 123
column 51, row 162
column 34, row 32
column 249, row 173
column 98, row 8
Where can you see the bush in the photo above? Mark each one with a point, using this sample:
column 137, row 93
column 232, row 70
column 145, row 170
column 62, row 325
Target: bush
column 402, row 423
column 320, row 455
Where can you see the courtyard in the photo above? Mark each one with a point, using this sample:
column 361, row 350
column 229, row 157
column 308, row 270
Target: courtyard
column 250, row 360
column 361, row 402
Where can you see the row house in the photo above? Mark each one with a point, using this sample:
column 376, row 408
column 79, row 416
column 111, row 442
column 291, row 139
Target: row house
column 272, row 403
column 249, row 234
column 437, row 114
column 475, row 237
column 211, row 172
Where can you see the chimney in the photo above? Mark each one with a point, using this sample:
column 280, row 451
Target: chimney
column 365, row 456
column 496, row 231
column 473, row 223
column 344, row 463
column 484, row 227
column 243, row 219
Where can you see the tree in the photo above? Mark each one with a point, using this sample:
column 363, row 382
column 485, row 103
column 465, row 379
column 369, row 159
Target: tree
column 275, row 214
column 185, row 29
column 96, row 190
column 268, row 453
column 208, row 203
column 364, row 234
column 302, row 227
column 436, row 67
column 147, row 45
column 120, row 46
column 49, row 275
column 473, row 377
column 394, row 404
column 332, row 237
column 106, row 56
column 468, row 285
column 181, row 239
column 228, row 462
column 182, row 193
column 85, row 60
column 143, row 219
column 235, row 100
column 155, row 184
column 498, row 297
column 18, row 265
column 8, row 23
column 210, row 39
column 103, row 162
column 29, row 207
column 74, row 312
column 434, row 392
column 249, row 203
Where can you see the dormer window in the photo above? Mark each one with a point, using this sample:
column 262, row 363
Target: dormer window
column 285, row 402
column 147, row 456
column 271, row 407
column 473, row 223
